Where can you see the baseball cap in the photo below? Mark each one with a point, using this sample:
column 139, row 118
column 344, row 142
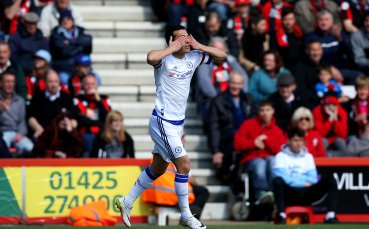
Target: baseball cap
column 31, row 17
column 285, row 80
column 43, row 54
column 83, row 59
column 330, row 99
column 242, row 2
column 65, row 13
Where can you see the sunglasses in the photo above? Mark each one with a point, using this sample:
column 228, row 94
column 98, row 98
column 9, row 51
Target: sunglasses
column 304, row 119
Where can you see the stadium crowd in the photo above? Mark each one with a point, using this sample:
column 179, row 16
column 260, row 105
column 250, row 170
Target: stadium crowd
column 288, row 65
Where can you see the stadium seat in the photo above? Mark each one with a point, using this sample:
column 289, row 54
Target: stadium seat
column 301, row 210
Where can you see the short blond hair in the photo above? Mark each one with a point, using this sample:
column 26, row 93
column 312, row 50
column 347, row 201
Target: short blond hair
column 301, row 113
column 362, row 81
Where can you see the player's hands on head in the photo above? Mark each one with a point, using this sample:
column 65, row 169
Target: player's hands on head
column 176, row 45
column 194, row 44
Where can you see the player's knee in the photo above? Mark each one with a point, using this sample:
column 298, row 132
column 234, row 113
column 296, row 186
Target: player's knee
column 183, row 167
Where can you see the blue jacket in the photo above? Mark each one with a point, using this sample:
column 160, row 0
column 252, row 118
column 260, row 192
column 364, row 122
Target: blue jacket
column 23, row 46
column 321, row 89
column 262, row 84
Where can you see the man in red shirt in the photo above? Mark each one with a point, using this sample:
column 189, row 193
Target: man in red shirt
column 258, row 140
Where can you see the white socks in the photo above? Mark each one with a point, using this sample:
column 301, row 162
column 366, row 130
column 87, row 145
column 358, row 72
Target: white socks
column 330, row 215
column 181, row 186
column 143, row 182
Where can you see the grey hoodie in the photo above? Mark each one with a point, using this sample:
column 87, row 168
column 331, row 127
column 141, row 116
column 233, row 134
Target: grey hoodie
column 359, row 147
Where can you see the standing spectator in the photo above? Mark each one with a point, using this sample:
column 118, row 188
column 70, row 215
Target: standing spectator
column 46, row 105
column 26, row 41
column 296, row 180
column 177, row 10
column 288, row 39
column 360, row 46
column 197, row 17
column 326, row 83
column 50, row 15
column 359, row 147
column 336, row 46
column 222, row 7
column 60, row 140
column 11, row 66
column 258, row 140
column 303, row 119
column 331, row 122
column 66, row 42
column 306, row 12
column 114, row 142
column 285, row 101
column 251, row 56
column 263, row 82
column 227, row 112
column 353, row 13
column 93, row 108
column 13, row 116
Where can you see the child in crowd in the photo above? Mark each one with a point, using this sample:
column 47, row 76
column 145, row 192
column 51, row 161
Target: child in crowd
column 360, row 104
column 327, row 83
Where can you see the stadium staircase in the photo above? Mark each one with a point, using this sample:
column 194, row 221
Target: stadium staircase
column 123, row 32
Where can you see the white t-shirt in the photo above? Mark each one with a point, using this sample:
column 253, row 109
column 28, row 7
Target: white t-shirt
column 172, row 79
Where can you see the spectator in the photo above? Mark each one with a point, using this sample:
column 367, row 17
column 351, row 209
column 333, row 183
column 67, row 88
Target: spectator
column 326, row 83
column 222, row 7
column 4, row 151
column 296, row 181
column 306, row 12
column 177, row 11
column 26, row 41
column 82, row 67
column 46, row 105
column 353, row 14
column 251, row 56
column 360, row 106
column 303, row 119
column 6, row 65
column 93, row 108
column 359, row 147
column 213, row 78
column 258, row 140
column 114, row 142
column 66, row 42
column 228, row 110
column 3, row 37
column 285, row 101
column 336, row 47
column 360, row 46
column 331, row 122
column 288, row 39
column 13, row 116
column 263, row 82
column 159, row 9
column 50, row 15
column 196, row 18
column 60, row 140
column 213, row 27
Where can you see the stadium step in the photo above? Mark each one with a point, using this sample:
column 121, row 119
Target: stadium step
column 120, row 61
column 127, row 77
column 126, row 45
column 116, row 13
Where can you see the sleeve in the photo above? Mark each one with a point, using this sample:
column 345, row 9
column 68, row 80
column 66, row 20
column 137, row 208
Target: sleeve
column 311, row 174
column 340, row 126
column 320, row 149
column 22, row 126
column 345, row 11
column 242, row 141
column 203, row 58
column 44, row 24
column 203, row 78
column 160, row 64
column 322, row 127
column 275, row 141
column 358, row 47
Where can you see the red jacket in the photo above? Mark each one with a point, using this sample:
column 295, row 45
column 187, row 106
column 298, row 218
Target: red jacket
column 247, row 133
column 328, row 129
column 314, row 144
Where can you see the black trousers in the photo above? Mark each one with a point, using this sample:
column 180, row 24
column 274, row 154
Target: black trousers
column 201, row 197
column 289, row 196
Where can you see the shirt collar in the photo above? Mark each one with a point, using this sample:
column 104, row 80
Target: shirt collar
column 6, row 67
column 52, row 97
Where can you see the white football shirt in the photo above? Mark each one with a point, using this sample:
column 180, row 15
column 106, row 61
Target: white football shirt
column 172, row 79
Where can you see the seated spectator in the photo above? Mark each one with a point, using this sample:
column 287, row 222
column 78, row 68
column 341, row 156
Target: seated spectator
column 60, row 140
column 296, row 180
column 211, row 79
column 6, row 65
column 331, row 122
column 227, row 112
column 4, row 151
column 46, row 105
column 66, row 42
column 306, row 73
column 177, row 10
column 213, row 27
column 82, row 67
column 353, row 14
column 326, row 83
column 285, row 101
column 251, row 56
column 258, row 140
column 93, row 108
column 114, row 142
column 222, row 7
column 359, row 147
column 288, row 39
column 360, row 46
column 50, row 15
column 303, row 119
column 13, row 116
column 306, row 12
column 336, row 45
column 196, row 18
column 263, row 82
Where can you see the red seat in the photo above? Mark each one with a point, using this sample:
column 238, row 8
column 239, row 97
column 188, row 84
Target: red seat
column 301, row 210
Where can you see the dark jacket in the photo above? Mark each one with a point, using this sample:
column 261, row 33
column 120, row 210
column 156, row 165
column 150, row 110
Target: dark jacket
column 64, row 49
column 283, row 111
column 23, row 46
column 255, row 51
column 100, row 146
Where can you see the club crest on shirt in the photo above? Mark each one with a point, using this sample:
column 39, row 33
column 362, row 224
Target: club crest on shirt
column 178, row 150
column 189, row 64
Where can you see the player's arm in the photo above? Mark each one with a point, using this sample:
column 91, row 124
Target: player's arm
column 155, row 56
column 218, row 55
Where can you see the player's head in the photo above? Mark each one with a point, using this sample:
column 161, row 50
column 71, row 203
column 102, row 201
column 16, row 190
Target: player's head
column 177, row 31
